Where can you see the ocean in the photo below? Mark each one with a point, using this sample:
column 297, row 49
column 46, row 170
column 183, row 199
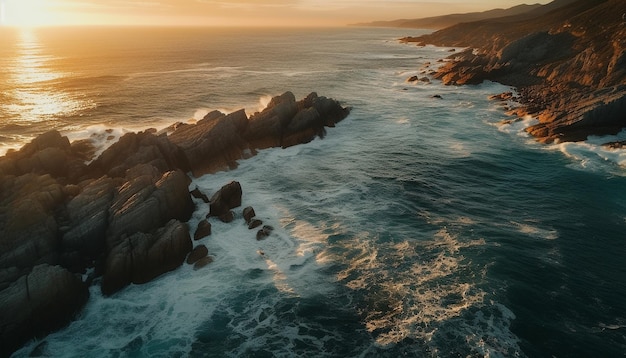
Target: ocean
column 421, row 226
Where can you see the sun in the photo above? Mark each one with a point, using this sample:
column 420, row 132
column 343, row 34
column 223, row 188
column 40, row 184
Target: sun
column 29, row 13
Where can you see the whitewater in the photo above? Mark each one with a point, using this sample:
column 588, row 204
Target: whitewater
column 426, row 224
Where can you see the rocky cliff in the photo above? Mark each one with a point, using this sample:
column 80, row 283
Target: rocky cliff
column 122, row 215
column 569, row 65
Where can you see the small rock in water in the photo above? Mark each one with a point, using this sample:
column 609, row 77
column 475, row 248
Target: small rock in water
column 248, row 214
column 261, row 234
column 202, row 262
column 196, row 193
column 203, row 230
column 264, row 232
column 254, row 224
column 197, row 254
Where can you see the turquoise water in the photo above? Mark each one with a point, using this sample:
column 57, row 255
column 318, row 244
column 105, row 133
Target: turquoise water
column 418, row 227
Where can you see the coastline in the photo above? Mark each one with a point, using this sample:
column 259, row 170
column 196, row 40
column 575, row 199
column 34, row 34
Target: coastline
column 122, row 217
column 568, row 66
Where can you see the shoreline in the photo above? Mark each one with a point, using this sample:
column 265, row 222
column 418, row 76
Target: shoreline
column 566, row 75
column 123, row 215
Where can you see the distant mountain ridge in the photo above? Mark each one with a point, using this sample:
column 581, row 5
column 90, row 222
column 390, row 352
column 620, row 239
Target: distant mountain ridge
column 568, row 64
column 443, row 21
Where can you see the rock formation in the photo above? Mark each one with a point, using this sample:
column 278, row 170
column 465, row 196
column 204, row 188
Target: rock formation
column 219, row 140
column 124, row 213
column 569, row 65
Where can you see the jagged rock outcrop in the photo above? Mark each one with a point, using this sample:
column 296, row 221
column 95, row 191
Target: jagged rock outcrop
column 87, row 215
column 139, row 148
column 123, row 213
column 140, row 257
column 28, row 228
column 218, row 140
column 49, row 153
column 569, row 65
column 148, row 200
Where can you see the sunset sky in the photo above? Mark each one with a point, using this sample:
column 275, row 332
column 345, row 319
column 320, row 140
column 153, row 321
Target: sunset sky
column 231, row 12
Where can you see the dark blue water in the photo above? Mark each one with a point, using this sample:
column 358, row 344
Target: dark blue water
column 418, row 227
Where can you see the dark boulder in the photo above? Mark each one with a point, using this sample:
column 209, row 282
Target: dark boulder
column 225, row 199
column 28, row 227
column 202, row 262
column 264, row 232
column 147, row 201
column 248, row 214
column 133, row 149
column 203, row 230
column 49, row 153
column 266, row 127
column 197, row 253
column 141, row 257
column 215, row 142
column 227, row 217
column 87, row 215
column 38, row 303
column 254, row 223
column 303, row 128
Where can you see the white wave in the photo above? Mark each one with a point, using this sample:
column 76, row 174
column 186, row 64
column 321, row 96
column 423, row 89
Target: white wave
column 164, row 316
column 518, row 125
column 527, row 228
column 194, row 70
column 264, row 101
column 592, row 155
column 100, row 136
column 415, row 291
column 200, row 113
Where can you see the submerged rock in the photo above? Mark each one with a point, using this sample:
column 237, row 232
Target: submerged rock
column 202, row 262
column 197, row 254
column 203, row 230
column 254, row 224
column 264, row 232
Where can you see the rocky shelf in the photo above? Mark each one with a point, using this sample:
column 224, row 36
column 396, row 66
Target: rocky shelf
column 569, row 65
column 122, row 215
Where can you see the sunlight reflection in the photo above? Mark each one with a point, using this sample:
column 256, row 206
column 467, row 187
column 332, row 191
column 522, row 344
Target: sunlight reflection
column 32, row 93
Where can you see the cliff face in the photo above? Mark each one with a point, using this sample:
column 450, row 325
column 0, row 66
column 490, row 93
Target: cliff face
column 569, row 65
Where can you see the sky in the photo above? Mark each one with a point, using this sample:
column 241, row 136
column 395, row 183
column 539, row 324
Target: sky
column 231, row 12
